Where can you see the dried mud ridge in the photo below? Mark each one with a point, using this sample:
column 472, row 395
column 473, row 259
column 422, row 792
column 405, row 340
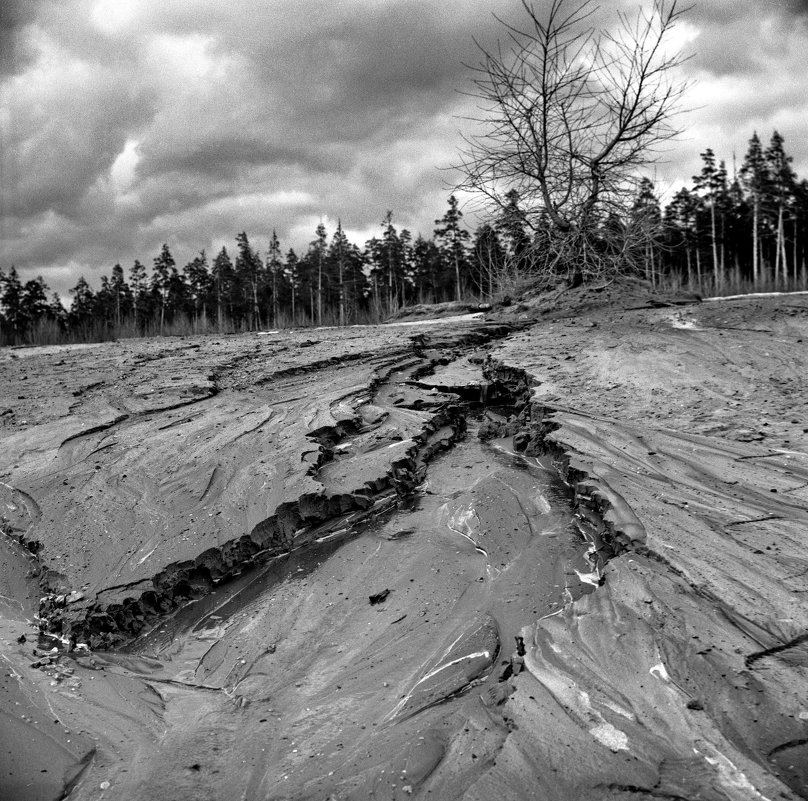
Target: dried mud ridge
column 312, row 516
column 751, row 699
column 604, row 519
column 102, row 624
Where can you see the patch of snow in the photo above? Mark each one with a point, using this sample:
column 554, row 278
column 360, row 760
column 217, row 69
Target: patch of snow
column 611, row 737
column 755, row 295
column 457, row 318
column 728, row 775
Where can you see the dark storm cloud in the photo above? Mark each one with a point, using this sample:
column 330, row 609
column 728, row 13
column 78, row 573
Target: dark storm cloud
column 132, row 122
column 267, row 102
column 15, row 54
column 225, row 157
column 64, row 139
column 799, row 7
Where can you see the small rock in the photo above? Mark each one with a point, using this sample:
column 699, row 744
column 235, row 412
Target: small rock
column 379, row 597
column 520, row 440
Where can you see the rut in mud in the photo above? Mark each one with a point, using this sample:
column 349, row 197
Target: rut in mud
column 367, row 652
column 370, row 452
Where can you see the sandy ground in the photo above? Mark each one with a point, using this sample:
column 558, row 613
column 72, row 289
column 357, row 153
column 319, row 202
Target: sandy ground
column 284, row 572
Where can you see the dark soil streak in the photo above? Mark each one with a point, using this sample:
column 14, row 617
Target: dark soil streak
column 751, row 659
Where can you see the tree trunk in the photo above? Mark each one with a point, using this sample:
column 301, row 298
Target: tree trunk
column 777, row 247
column 341, row 290
column 219, row 309
column 689, row 267
column 716, row 271
column 319, row 288
column 274, row 296
column 781, row 235
column 795, row 253
column 256, row 310
column 755, row 242
column 389, row 279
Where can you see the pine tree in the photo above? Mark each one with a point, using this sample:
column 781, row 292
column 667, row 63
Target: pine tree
column 200, row 285
column 646, row 217
column 137, row 283
column 35, row 302
column 345, row 265
column 105, row 304
column 56, row 311
column 13, row 303
column 222, row 283
column 511, row 227
column 293, row 274
column 781, row 180
column 429, row 274
column 390, row 257
column 489, row 258
column 82, row 308
column 120, row 293
column 161, row 280
column 249, row 270
column 736, row 216
column 755, row 181
column 708, row 182
column 451, row 239
column 682, row 214
column 317, row 250
column 406, row 267
column 273, row 267
column 339, row 246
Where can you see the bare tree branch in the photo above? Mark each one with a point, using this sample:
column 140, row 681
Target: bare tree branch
column 568, row 117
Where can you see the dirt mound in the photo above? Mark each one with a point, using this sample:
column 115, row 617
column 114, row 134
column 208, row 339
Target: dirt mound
column 450, row 308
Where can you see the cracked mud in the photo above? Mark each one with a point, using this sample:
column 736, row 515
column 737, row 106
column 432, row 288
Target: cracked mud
column 554, row 554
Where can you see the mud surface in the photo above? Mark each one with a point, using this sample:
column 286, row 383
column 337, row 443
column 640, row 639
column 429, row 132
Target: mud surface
column 557, row 552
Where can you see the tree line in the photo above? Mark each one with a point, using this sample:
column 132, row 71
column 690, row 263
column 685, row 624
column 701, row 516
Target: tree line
column 743, row 232
column 334, row 282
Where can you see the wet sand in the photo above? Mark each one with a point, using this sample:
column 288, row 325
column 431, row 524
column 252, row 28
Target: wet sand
column 303, row 575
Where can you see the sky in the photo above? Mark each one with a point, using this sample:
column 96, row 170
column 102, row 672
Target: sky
column 125, row 124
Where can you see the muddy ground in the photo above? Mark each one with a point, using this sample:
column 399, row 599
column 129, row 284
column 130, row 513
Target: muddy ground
column 552, row 551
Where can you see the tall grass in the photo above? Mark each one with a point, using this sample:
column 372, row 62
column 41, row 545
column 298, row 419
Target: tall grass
column 732, row 284
column 509, row 285
column 52, row 332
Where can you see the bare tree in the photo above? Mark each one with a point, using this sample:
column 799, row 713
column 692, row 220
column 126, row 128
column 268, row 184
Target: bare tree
column 570, row 114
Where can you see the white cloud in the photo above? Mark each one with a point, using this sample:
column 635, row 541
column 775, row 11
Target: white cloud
column 113, row 16
column 122, row 171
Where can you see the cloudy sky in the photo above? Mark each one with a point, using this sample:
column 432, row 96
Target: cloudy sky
column 128, row 123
